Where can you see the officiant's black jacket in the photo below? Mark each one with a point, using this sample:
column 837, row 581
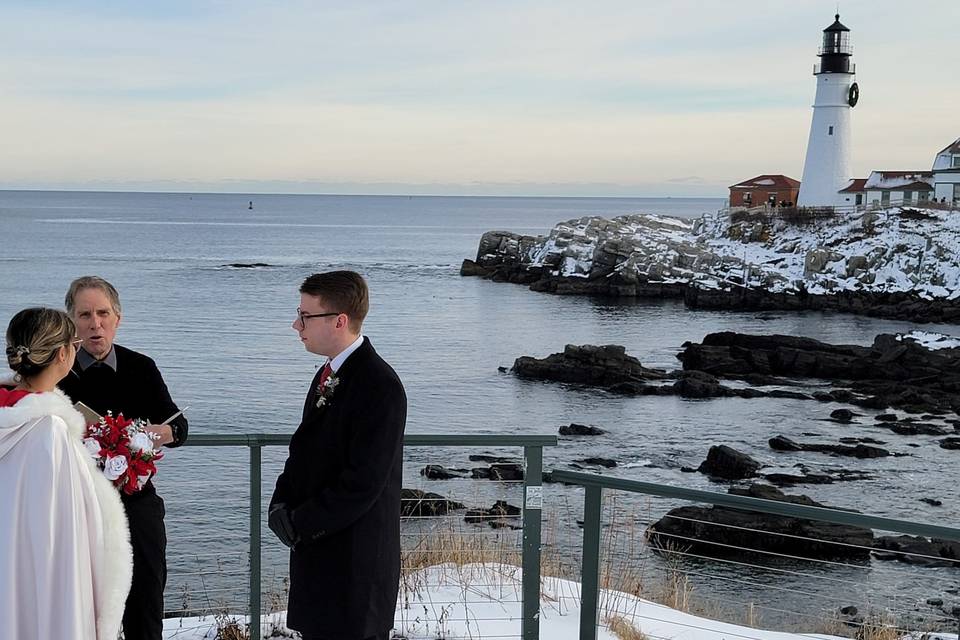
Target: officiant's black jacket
column 342, row 481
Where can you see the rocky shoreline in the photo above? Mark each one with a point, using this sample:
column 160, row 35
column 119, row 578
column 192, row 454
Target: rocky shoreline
column 901, row 263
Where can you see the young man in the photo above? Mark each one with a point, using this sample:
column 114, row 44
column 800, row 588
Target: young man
column 108, row 377
column 337, row 502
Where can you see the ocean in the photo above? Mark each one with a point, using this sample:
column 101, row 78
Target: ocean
column 221, row 334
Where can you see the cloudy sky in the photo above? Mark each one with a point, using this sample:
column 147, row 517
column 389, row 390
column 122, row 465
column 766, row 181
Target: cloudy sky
column 639, row 97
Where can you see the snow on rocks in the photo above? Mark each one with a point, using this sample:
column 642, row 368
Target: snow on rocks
column 895, row 257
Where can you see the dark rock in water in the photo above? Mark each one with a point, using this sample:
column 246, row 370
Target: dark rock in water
column 479, row 473
column 950, row 443
column 915, row 428
column 841, row 475
column 849, row 610
column 632, row 388
column 890, row 372
column 726, row 462
column 863, row 440
column 482, row 457
column 792, row 395
column 606, row 463
column 601, row 366
column 419, row 504
column 506, row 472
column 935, row 602
column 247, row 265
column 725, row 532
column 933, row 502
column 919, row 551
column 438, row 472
column 574, row 429
column 503, row 369
column 782, row 443
column 496, row 516
column 842, row 415
column 789, row 480
column 886, row 417
column 688, row 470
column 699, row 384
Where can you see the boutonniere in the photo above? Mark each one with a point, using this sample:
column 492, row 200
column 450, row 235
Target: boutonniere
column 326, row 388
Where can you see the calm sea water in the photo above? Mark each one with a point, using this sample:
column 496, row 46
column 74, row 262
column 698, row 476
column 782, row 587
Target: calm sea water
column 222, row 337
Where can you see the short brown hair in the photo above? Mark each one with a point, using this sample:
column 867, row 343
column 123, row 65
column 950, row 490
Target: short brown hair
column 345, row 291
column 34, row 336
column 91, row 282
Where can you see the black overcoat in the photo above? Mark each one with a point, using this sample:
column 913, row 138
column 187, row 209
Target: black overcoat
column 342, row 481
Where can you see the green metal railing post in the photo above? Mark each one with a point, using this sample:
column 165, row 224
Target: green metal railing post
column 255, row 449
column 533, row 487
column 590, row 568
column 532, row 524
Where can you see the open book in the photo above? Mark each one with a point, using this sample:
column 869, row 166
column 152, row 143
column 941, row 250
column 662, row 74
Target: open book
column 89, row 415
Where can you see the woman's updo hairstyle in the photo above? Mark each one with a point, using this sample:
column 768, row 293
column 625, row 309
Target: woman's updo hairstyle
column 33, row 337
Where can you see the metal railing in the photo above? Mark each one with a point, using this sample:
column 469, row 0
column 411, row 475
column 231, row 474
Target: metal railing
column 531, row 509
column 595, row 485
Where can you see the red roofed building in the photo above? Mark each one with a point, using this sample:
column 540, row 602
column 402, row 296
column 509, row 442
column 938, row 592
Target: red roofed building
column 765, row 189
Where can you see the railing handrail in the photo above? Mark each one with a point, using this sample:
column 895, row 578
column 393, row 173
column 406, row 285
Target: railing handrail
column 749, row 503
column 532, row 445
column 410, row 439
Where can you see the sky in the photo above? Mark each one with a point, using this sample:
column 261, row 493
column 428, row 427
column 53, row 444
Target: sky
column 633, row 98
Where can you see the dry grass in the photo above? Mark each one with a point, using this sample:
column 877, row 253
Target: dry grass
column 624, row 630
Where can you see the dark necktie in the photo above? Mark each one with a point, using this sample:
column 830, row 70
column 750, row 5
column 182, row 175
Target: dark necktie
column 326, row 373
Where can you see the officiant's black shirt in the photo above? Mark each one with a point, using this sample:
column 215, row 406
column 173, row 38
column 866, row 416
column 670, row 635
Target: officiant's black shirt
column 124, row 382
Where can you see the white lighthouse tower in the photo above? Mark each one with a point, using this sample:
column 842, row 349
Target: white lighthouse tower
column 826, row 169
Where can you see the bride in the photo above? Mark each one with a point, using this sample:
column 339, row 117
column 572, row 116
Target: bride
column 65, row 559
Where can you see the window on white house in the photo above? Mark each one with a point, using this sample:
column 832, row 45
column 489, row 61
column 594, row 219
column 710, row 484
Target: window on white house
column 908, row 196
column 923, row 196
column 830, row 131
column 956, row 161
column 884, row 197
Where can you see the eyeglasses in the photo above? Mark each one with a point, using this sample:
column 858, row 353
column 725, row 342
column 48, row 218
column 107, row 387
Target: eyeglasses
column 77, row 343
column 303, row 317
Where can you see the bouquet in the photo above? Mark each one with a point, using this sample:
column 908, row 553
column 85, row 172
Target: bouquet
column 123, row 450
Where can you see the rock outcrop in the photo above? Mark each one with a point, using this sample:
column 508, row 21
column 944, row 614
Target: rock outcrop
column 724, row 532
column 896, row 263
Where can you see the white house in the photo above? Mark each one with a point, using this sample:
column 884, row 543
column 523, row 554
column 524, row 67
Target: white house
column 946, row 173
column 941, row 184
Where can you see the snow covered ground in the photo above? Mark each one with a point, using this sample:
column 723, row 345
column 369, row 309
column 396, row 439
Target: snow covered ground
column 895, row 249
column 475, row 601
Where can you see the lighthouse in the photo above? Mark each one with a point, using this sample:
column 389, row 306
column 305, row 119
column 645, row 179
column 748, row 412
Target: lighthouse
column 826, row 169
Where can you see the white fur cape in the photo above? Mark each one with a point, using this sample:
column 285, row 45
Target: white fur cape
column 65, row 558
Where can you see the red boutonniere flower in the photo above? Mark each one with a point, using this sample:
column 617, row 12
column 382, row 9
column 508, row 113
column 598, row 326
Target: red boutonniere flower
column 325, row 390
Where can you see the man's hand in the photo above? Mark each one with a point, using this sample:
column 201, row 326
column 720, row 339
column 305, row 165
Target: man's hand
column 281, row 523
column 161, row 433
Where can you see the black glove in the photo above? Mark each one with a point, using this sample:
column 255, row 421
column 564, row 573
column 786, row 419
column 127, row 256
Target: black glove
column 281, row 523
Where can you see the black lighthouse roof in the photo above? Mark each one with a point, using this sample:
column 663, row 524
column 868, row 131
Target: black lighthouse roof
column 837, row 25
column 836, row 50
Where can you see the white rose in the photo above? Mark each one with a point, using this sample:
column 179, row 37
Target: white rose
column 92, row 446
column 141, row 441
column 114, row 467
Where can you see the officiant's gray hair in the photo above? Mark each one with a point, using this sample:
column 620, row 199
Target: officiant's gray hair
column 91, row 282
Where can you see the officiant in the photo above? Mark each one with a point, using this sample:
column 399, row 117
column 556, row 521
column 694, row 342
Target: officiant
column 109, row 377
